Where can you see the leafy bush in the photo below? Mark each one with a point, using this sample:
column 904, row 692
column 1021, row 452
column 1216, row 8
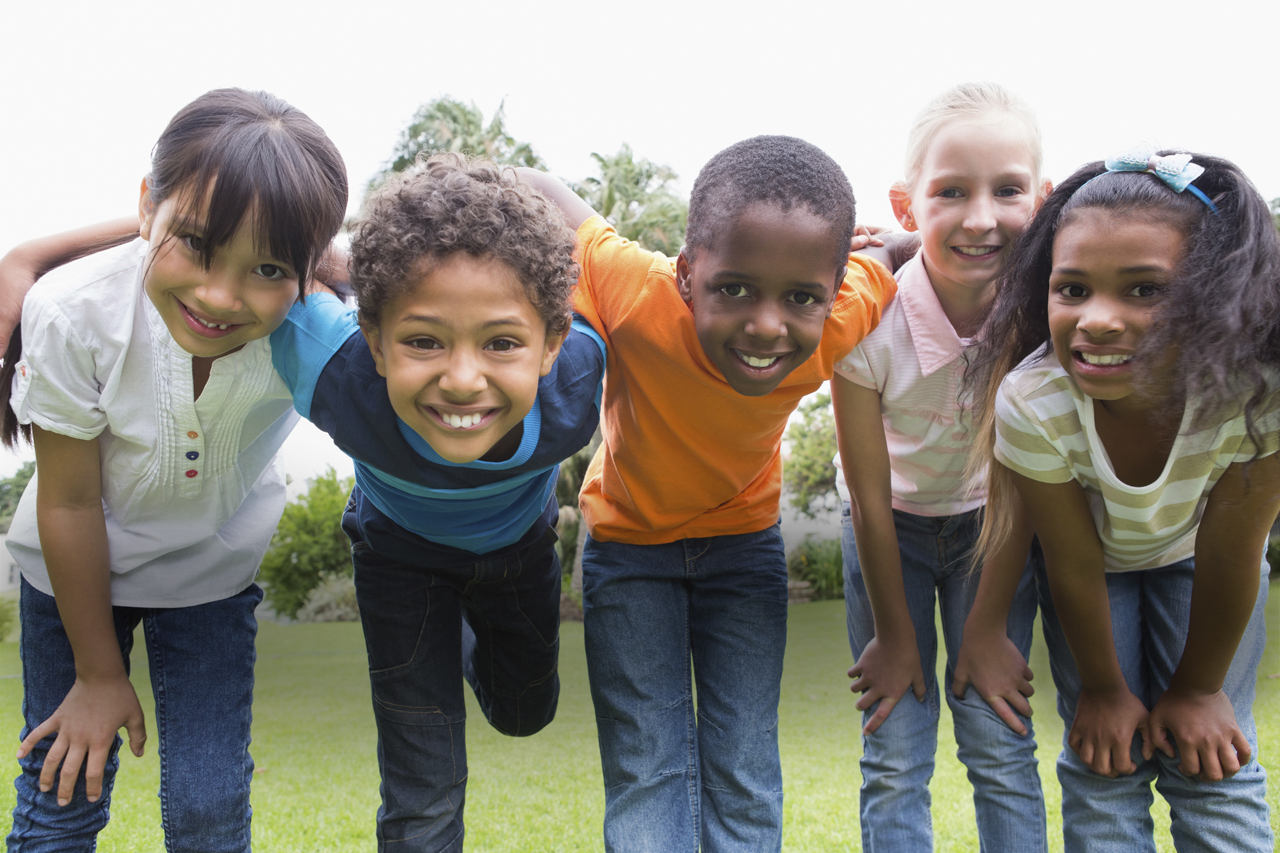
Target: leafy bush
column 807, row 472
column 8, row 617
column 334, row 600
column 308, row 545
column 818, row 562
column 1273, row 554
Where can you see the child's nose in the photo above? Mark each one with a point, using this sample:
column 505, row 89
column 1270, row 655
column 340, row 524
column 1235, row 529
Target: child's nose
column 221, row 292
column 1100, row 317
column 463, row 376
column 767, row 322
column 980, row 215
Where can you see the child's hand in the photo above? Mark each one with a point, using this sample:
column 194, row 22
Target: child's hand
column 1102, row 732
column 998, row 671
column 864, row 236
column 86, row 723
column 884, row 673
column 1203, row 728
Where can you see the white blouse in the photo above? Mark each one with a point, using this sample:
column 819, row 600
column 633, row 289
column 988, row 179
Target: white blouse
column 190, row 488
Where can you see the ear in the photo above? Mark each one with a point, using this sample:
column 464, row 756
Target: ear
column 550, row 350
column 146, row 211
column 684, row 282
column 835, row 291
column 900, row 200
column 373, row 337
column 1045, row 189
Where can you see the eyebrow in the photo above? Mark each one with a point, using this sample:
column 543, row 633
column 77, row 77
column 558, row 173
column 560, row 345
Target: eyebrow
column 1145, row 268
column 441, row 321
column 741, row 276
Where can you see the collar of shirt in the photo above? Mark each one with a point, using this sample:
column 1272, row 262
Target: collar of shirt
column 935, row 339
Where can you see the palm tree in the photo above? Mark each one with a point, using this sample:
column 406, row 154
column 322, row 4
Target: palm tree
column 636, row 197
column 446, row 124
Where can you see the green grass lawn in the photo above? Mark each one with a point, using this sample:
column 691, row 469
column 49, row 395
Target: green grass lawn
column 317, row 782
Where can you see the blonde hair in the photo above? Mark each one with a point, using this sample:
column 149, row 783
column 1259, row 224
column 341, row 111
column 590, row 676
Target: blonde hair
column 967, row 102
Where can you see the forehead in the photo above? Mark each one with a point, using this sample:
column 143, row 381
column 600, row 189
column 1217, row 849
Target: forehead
column 988, row 145
column 766, row 242
column 460, row 290
column 1101, row 242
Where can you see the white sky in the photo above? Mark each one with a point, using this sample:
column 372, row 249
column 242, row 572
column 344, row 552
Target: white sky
column 85, row 88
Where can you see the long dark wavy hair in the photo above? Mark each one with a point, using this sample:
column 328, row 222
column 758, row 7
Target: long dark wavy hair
column 1219, row 318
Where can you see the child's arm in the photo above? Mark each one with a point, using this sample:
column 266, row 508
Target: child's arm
column 575, row 210
column 1107, row 713
column 25, row 263
column 889, row 666
column 1233, row 532
column 73, row 537
column 988, row 659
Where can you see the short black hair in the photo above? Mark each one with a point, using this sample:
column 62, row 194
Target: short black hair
column 780, row 170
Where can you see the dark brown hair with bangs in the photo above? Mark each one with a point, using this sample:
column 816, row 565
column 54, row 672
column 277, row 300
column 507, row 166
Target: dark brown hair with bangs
column 228, row 154
column 252, row 153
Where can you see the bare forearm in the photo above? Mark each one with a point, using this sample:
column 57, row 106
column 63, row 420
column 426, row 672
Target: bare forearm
column 576, row 211
column 998, row 584
column 74, row 542
column 45, row 253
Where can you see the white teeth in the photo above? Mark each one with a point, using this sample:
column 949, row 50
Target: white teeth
column 461, row 421
column 208, row 325
column 975, row 250
column 759, row 362
column 1106, row 359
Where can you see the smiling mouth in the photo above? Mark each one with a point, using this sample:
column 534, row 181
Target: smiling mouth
column 1102, row 360
column 756, row 362
column 975, row 251
column 208, row 327
column 453, row 420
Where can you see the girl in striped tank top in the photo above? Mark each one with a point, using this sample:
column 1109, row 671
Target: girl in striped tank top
column 1126, row 385
column 910, row 515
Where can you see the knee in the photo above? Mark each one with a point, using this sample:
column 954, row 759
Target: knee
column 525, row 715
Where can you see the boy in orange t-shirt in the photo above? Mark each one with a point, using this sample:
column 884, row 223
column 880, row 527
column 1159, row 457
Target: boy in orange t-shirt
column 708, row 355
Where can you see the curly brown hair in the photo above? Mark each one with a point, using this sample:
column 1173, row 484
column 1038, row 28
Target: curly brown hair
column 449, row 204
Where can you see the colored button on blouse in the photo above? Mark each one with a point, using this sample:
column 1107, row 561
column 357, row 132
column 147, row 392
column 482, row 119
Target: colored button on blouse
column 193, row 455
column 193, row 434
column 193, row 473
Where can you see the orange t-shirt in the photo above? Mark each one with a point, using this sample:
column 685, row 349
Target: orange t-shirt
column 685, row 455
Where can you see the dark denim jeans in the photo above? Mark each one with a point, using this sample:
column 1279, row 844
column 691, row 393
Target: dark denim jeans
column 429, row 622
column 201, row 661
column 660, row 619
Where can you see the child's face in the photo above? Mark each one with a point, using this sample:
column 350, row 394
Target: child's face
column 761, row 294
column 975, row 193
column 244, row 295
column 1108, row 274
column 462, row 351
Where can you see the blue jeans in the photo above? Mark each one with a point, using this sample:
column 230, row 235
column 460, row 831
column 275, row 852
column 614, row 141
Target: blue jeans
column 1150, row 612
column 898, row 758
column 660, row 619
column 493, row 619
column 201, row 662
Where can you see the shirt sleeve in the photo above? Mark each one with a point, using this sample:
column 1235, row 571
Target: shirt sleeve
column 865, row 292
column 305, row 342
column 1022, row 444
column 614, row 272
column 55, row 385
column 857, row 369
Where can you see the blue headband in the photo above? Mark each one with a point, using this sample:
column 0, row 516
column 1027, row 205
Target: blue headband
column 1175, row 170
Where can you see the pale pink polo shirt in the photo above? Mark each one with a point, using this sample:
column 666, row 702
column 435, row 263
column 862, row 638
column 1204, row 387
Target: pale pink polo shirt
column 914, row 360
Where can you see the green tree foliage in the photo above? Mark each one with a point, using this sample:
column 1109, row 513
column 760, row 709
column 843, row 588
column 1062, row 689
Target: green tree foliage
column 309, row 545
column 808, row 473
column 821, row 564
column 449, row 125
column 637, row 199
column 11, row 491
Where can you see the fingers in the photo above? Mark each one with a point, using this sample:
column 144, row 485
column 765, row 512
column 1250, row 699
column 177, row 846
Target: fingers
column 959, row 683
column 917, row 685
column 70, row 773
column 38, row 734
column 1004, row 712
column 94, row 769
column 137, row 730
column 1244, row 752
column 880, row 715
